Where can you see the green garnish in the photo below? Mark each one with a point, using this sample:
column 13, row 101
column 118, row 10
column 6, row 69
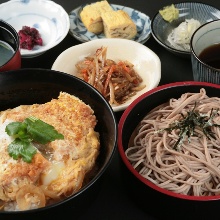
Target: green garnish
column 192, row 120
column 30, row 130
column 169, row 13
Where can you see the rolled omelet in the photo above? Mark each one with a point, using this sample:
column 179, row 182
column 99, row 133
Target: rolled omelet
column 91, row 16
column 118, row 24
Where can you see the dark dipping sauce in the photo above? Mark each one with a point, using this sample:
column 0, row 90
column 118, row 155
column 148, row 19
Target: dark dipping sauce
column 211, row 56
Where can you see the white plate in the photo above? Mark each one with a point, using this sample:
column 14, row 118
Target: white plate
column 49, row 18
column 146, row 63
column 79, row 31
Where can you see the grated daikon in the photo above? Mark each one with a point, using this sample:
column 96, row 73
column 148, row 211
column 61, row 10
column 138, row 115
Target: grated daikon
column 180, row 37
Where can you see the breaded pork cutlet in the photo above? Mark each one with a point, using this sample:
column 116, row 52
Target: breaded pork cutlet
column 59, row 167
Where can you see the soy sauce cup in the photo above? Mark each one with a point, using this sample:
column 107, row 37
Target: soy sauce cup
column 10, row 57
column 205, row 52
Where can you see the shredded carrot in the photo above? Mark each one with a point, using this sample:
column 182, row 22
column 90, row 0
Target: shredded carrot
column 85, row 74
column 124, row 66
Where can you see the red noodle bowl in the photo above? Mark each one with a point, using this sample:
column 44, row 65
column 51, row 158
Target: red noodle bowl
column 191, row 171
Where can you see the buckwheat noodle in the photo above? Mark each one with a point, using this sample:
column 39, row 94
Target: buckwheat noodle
column 194, row 168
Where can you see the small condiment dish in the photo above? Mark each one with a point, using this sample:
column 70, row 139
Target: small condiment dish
column 161, row 28
column 48, row 17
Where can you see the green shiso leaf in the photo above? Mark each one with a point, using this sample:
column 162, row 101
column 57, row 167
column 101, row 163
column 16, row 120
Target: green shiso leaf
column 30, row 130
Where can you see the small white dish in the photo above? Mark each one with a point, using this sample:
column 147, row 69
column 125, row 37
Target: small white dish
column 79, row 31
column 49, row 18
column 146, row 63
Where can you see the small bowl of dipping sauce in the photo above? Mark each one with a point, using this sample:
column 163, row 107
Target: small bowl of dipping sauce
column 10, row 57
column 205, row 52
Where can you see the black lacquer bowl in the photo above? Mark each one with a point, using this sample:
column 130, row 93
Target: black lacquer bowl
column 162, row 203
column 30, row 86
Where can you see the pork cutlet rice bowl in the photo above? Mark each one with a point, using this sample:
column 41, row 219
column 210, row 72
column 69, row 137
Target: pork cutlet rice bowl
column 168, row 141
column 62, row 174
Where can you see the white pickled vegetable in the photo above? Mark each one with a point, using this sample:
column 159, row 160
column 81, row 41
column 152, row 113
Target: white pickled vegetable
column 180, row 37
